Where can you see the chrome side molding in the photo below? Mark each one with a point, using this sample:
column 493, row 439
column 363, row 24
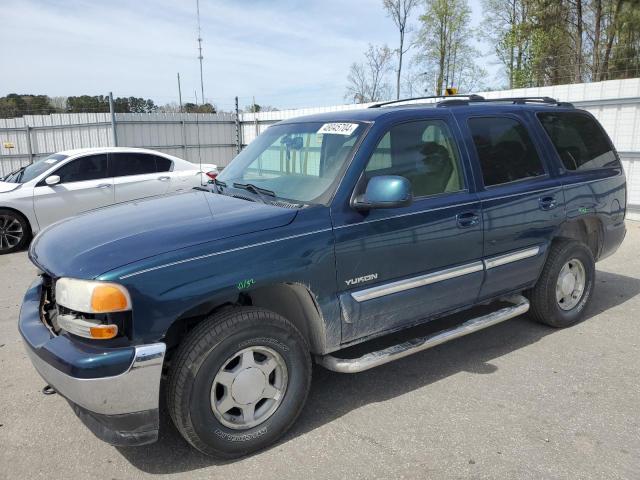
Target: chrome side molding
column 511, row 257
column 441, row 275
column 415, row 282
column 519, row 305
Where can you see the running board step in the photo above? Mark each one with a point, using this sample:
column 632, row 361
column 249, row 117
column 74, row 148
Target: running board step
column 519, row 305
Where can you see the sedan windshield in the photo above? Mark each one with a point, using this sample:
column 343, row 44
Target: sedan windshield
column 301, row 162
column 34, row 170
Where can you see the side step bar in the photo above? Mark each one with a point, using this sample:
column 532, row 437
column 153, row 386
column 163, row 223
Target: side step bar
column 519, row 306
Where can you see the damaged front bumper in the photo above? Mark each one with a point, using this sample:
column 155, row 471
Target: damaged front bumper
column 114, row 391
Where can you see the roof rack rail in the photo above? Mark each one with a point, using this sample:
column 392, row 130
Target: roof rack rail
column 514, row 100
column 472, row 98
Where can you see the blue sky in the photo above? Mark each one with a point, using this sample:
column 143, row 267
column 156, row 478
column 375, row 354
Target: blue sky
column 287, row 53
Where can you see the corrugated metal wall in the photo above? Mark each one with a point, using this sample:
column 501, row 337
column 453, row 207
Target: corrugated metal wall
column 211, row 138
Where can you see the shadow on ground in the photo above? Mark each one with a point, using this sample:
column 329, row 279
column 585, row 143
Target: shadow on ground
column 334, row 395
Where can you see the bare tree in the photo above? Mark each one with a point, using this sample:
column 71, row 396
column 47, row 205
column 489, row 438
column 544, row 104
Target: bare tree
column 399, row 11
column 367, row 81
column 59, row 103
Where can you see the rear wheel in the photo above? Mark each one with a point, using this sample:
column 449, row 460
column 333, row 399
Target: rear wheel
column 566, row 284
column 238, row 382
column 14, row 231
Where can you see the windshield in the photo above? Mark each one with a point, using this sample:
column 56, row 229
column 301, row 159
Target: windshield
column 302, row 162
column 32, row 171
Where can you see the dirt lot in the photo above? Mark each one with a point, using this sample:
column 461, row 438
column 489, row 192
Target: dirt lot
column 518, row 400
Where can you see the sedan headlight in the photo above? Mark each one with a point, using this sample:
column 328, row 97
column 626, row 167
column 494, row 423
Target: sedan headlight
column 89, row 296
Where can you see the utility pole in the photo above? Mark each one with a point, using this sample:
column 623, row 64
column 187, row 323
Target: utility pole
column 112, row 111
column 179, row 93
column 200, row 51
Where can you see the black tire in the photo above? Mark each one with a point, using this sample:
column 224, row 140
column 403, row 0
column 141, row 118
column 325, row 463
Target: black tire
column 201, row 355
column 12, row 224
column 544, row 305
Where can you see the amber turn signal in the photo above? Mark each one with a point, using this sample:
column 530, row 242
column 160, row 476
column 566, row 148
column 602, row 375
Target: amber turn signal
column 103, row 332
column 108, row 298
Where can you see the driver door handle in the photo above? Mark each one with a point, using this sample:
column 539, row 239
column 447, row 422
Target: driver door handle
column 467, row 219
column 164, row 178
column 547, row 203
column 104, row 185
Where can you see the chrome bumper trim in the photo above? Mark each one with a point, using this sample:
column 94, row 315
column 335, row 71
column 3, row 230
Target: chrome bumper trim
column 135, row 390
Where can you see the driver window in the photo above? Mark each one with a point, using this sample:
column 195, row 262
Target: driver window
column 423, row 152
column 91, row 167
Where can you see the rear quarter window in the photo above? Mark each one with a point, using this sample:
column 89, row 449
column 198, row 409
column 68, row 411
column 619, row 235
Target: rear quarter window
column 579, row 140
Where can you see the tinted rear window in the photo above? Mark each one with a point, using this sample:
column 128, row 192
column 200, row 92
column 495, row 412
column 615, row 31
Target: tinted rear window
column 579, row 140
column 505, row 150
column 126, row 163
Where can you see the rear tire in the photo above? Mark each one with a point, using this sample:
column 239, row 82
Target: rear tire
column 238, row 382
column 15, row 232
column 565, row 287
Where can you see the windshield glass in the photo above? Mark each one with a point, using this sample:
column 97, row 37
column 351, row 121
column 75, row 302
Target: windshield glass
column 32, row 171
column 302, row 162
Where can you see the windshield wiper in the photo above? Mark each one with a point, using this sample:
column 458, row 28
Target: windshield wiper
column 15, row 176
column 257, row 190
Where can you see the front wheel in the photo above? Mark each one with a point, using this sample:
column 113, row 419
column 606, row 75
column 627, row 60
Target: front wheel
column 14, row 231
column 238, row 382
column 565, row 286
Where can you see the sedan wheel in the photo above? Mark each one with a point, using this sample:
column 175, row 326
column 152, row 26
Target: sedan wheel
column 13, row 232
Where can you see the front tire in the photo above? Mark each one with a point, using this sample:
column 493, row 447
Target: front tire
column 565, row 287
column 14, row 231
column 238, row 382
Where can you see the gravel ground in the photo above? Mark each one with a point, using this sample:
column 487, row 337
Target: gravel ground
column 518, row 400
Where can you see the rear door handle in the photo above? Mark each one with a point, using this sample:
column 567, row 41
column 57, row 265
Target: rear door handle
column 164, row 178
column 547, row 203
column 104, row 185
column 467, row 219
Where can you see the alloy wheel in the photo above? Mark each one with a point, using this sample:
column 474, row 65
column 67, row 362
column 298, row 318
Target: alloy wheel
column 571, row 283
column 249, row 387
column 11, row 232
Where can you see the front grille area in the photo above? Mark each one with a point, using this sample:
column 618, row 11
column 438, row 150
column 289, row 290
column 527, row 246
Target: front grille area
column 48, row 310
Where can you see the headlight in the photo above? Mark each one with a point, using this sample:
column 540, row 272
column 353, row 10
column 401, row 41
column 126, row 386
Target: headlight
column 88, row 296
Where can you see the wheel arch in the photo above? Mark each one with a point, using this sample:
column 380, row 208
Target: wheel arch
column 587, row 230
column 293, row 301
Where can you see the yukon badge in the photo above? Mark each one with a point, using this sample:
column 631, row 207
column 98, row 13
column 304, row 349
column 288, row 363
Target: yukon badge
column 364, row 278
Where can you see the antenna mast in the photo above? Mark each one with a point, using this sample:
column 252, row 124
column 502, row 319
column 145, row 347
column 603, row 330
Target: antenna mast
column 200, row 51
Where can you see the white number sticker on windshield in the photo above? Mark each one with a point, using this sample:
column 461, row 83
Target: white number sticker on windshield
column 338, row 128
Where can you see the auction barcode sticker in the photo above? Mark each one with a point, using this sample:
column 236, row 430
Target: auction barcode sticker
column 338, row 128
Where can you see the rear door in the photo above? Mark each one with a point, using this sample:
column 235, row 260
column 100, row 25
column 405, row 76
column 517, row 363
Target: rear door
column 84, row 185
column 396, row 267
column 522, row 201
column 136, row 175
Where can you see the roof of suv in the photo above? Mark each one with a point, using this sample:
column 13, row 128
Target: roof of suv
column 373, row 114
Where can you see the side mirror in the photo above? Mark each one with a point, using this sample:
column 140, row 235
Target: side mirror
column 52, row 180
column 385, row 191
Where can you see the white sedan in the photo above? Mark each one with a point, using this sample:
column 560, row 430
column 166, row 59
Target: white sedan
column 74, row 181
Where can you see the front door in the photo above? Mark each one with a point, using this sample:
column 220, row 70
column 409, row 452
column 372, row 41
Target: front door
column 522, row 202
column 398, row 266
column 84, row 185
